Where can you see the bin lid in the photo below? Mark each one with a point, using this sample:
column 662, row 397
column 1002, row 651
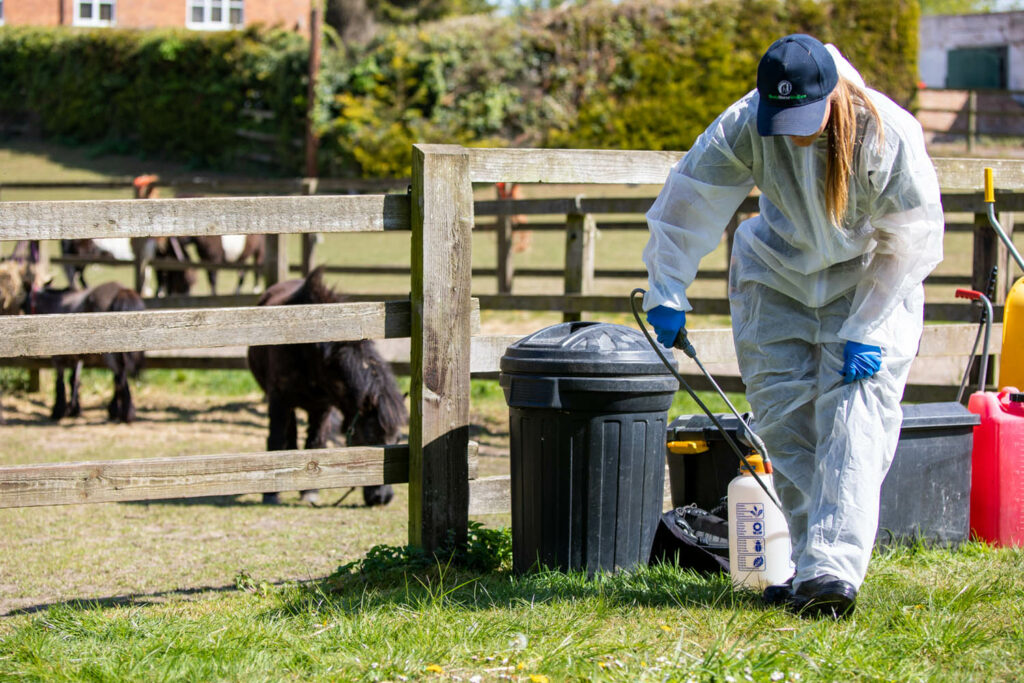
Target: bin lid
column 584, row 348
column 937, row 415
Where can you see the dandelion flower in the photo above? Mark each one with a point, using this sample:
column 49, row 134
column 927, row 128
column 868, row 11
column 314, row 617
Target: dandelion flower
column 539, row 678
column 434, row 668
column 665, row 628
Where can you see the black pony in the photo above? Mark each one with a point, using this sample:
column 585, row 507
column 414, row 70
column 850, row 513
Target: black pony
column 109, row 296
column 349, row 376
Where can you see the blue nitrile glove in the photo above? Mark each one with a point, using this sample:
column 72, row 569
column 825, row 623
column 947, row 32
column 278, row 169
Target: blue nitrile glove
column 860, row 361
column 667, row 322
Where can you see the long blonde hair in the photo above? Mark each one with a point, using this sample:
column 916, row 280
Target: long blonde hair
column 842, row 138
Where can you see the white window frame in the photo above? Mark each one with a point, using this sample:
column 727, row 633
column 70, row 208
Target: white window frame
column 95, row 20
column 207, row 24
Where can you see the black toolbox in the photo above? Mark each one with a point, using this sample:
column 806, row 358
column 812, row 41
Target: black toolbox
column 925, row 495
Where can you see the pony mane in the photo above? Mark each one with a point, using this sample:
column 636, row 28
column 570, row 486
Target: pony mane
column 376, row 385
column 315, row 291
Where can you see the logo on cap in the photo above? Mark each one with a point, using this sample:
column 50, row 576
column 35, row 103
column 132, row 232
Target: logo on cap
column 785, row 87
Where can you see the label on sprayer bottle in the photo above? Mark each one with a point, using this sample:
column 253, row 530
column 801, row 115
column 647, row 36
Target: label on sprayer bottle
column 750, row 540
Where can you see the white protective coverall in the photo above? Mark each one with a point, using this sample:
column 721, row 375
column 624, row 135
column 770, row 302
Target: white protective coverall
column 799, row 288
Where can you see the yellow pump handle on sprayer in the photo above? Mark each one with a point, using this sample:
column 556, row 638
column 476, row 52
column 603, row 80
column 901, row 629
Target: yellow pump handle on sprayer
column 990, row 188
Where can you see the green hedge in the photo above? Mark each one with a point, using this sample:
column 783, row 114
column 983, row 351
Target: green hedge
column 171, row 93
column 638, row 74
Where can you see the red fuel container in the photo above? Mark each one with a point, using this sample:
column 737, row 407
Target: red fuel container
column 997, row 467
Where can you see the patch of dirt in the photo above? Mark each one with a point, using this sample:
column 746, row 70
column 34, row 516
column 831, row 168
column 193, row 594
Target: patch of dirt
column 187, row 548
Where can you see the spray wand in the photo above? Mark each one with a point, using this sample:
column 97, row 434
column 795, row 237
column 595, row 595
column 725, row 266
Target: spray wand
column 990, row 204
column 683, row 343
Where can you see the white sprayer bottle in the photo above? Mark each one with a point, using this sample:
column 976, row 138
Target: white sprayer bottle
column 759, row 546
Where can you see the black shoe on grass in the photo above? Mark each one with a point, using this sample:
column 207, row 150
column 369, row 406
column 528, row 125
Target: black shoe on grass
column 778, row 594
column 824, row 596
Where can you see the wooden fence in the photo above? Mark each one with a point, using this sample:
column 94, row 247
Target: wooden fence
column 439, row 318
column 970, row 115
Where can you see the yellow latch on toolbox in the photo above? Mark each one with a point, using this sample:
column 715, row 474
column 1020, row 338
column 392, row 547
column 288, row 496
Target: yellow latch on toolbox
column 688, row 447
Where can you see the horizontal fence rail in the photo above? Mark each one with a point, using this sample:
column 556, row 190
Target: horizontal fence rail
column 110, row 481
column 50, row 335
column 228, row 185
column 90, row 219
column 642, row 168
column 81, row 333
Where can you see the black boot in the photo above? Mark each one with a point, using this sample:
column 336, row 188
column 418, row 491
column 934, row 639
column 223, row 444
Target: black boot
column 824, row 596
column 778, row 594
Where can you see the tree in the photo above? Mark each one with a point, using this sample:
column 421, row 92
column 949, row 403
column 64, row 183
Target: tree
column 968, row 6
column 356, row 20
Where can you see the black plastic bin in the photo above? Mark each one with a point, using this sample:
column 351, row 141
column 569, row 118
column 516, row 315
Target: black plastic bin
column 925, row 495
column 588, row 410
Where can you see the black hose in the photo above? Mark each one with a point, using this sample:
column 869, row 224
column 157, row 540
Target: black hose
column 686, row 347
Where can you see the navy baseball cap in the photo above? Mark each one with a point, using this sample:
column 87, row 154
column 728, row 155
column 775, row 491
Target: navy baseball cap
column 794, row 79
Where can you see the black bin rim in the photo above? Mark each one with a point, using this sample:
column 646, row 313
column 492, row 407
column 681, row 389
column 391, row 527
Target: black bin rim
column 584, row 348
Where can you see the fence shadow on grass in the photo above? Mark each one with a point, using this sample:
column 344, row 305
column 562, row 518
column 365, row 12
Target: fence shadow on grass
column 653, row 586
column 132, row 599
column 94, row 413
column 449, row 588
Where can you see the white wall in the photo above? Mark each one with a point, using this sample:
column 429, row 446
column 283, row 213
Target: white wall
column 938, row 34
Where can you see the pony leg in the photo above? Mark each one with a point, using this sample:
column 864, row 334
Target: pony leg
column 120, row 408
column 283, row 431
column 60, row 400
column 75, row 406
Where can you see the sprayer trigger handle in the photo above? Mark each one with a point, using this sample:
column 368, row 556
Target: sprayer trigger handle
column 968, row 294
column 684, row 345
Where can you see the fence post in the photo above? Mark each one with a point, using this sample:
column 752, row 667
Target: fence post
column 275, row 260
column 312, row 139
column 442, row 222
column 972, row 119
column 989, row 251
column 504, row 267
column 142, row 258
column 309, row 239
column 580, row 235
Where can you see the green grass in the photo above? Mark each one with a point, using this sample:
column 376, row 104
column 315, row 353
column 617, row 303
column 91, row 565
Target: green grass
column 923, row 615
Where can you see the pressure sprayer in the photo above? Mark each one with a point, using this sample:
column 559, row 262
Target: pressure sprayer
column 759, row 544
column 1011, row 361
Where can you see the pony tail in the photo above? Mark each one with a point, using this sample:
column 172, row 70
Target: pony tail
column 842, row 138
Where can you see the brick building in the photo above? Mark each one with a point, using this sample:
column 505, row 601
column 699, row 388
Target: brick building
column 200, row 15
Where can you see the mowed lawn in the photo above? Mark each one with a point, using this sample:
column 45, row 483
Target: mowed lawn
column 229, row 589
